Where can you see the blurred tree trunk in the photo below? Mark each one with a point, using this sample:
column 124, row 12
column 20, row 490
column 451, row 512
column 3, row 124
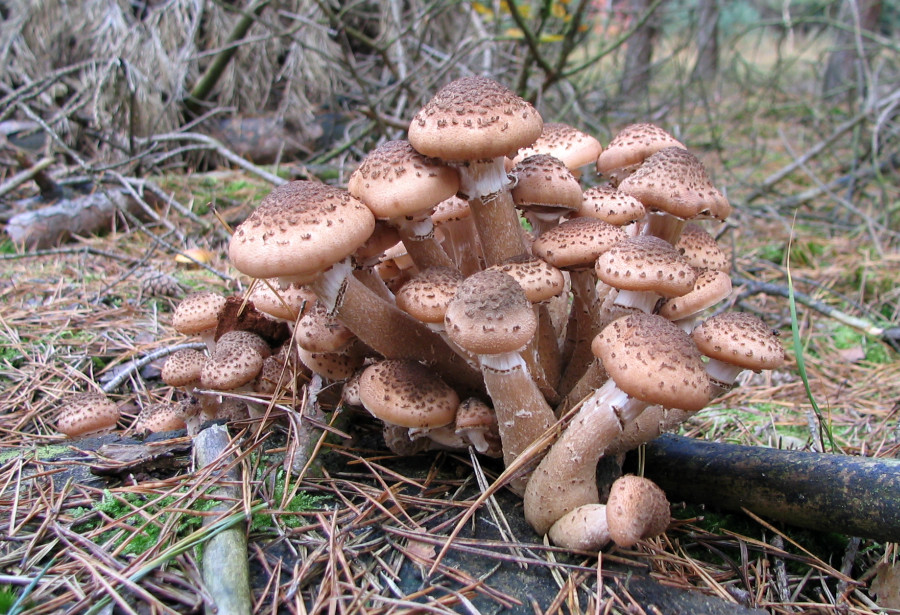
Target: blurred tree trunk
column 707, row 66
column 844, row 71
column 635, row 83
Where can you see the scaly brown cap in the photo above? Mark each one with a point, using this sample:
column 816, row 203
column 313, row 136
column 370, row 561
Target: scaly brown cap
column 395, row 180
column 741, row 339
column 474, row 118
column 610, row 205
column 651, row 359
column 637, row 509
column 577, row 243
column 570, row 145
column 646, row 263
column 299, row 230
column 490, row 314
column 427, row 294
column 407, row 393
column 86, row 413
column 631, row 146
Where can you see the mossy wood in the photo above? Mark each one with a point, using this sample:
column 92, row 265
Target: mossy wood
column 856, row 496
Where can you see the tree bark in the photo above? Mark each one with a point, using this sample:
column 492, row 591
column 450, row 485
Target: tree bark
column 635, row 83
column 845, row 69
column 855, row 496
column 707, row 65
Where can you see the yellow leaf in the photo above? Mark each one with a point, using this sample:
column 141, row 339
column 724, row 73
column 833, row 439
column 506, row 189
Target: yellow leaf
column 551, row 38
column 514, row 33
column 481, row 9
column 193, row 256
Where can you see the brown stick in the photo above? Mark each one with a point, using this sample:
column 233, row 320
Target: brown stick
column 856, row 496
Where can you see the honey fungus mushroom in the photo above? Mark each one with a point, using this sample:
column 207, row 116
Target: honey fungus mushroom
column 649, row 361
column 407, row 394
column 473, row 123
column 85, row 414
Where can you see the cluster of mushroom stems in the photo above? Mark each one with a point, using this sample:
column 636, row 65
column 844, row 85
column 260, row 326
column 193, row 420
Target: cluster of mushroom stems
column 458, row 325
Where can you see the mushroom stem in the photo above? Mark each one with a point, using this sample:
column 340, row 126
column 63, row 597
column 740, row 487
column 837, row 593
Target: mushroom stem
column 565, row 479
column 665, row 226
column 417, row 236
column 387, row 329
column 486, row 185
column 522, row 412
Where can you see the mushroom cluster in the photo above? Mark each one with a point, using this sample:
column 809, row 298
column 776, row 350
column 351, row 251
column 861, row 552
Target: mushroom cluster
column 445, row 318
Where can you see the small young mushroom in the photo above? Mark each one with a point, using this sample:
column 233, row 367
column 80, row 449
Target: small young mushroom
column 608, row 204
column 644, row 269
column 734, row 342
column 198, row 314
column 636, row 509
column 476, row 423
column 402, row 186
column 182, row 369
column 545, row 191
column 87, row 413
column 710, row 288
column 409, row 395
column 674, row 187
column 571, row 146
column 160, row 417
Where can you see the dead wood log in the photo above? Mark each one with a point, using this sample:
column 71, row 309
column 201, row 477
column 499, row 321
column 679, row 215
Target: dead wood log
column 69, row 217
column 855, row 496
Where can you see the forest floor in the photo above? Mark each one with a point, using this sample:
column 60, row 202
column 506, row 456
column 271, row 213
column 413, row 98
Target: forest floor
column 365, row 531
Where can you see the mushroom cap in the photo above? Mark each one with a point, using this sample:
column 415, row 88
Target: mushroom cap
column 86, row 413
column 673, row 180
column 182, row 368
column 427, row 294
column 577, row 243
column 700, row 249
column 632, row 145
column 610, row 205
column 332, row 366
column 545, row 184
column 741, row 339
column 646, row 263
column 476, row 422
column 490, row 314
column 474, row 118
column 198, row 312
column 710, row 287
column 300, row 229
column 242, row 338
column 160, row 417
column 407, row 393
column 319, row 331
column 285, row 303
column 394, row 180
column 570, row 145
column 539, row 279
column 584, row 528
column 635, row 510
column 231, row 367
column 653, row 360
column 450, row 210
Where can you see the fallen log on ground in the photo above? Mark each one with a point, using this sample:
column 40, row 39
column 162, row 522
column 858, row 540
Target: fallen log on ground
column 855, row 496
column 70, row 217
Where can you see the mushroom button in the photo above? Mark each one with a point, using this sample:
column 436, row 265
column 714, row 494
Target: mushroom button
column 86, row 413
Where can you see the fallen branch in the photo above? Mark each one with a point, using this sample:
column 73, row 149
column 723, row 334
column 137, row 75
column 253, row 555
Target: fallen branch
column 81, row 215
column 225, row 563
column 889, row 335
column 855, row 496
column 25, row 175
